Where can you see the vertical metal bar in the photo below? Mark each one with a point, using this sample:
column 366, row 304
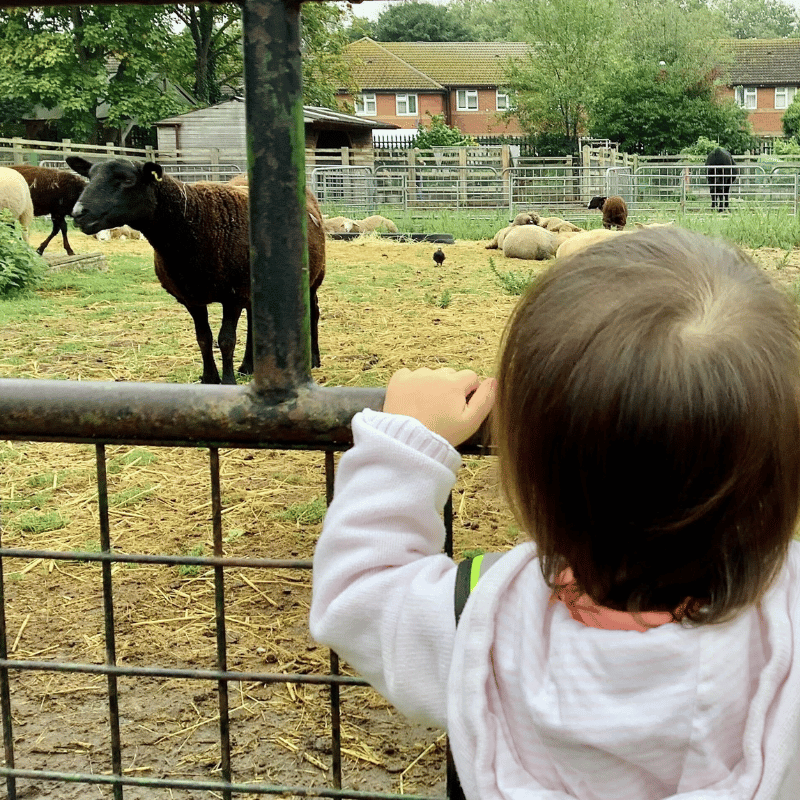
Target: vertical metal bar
column 219, row 609
column 5, row 690
column 278, row 223
column 336, row 714
column 108, row 617
column 447, row 516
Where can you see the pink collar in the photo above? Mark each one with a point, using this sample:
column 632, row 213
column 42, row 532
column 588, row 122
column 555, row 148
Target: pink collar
column 584, row 610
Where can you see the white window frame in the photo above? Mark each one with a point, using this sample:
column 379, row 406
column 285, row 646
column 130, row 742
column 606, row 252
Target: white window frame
column 747, row 97
column 784, row 96
column 366, row 104
column 404, row 102
column 464, row 98
column 503, row 101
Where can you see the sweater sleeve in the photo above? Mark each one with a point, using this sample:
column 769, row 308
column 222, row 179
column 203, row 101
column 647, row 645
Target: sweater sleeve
column 382, row 589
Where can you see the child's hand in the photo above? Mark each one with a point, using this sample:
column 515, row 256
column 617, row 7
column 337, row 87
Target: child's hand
column 440, row 399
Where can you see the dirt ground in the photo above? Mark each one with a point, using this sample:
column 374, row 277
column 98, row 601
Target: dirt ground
column 384, row 305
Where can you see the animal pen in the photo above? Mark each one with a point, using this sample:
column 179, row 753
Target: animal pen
column 280, row 409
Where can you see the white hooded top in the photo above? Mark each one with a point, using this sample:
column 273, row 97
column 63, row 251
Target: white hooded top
column 539, row 706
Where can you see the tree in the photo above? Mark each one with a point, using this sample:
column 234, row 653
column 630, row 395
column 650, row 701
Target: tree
column 791, row 118
column 490, row 20
column 420, row 22
column 571, row 46
column 325, row 69
column 81, row 58
column 651, row 110
column 207, row 54
column 758, row 19
column 439, row 134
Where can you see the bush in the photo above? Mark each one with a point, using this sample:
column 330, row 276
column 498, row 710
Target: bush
column 21, row 267
column 439, row 134
column 791, row 118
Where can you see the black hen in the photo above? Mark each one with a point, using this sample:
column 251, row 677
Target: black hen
column 438, row 257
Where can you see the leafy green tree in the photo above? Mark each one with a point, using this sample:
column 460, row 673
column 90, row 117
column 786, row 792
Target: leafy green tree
column 360, row 27
column 490, row 20
column 438, row 134
column 572, row 45
column 758, row 19
column 791, row 118
column 325, row 69
column 79, row 58
column 420, row 22
column 207, row 54
column 650, row 110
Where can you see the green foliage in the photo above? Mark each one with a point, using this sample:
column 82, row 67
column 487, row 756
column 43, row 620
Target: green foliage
column 420, row 22
column 511, row 282
column 40, row 522
column 649, row 109
column 786, row 147
column 305, row 513
column 439, row 134
column 21, row 267
column 702, row 147
column 490, row 20
column 757, row 19
column 572, row 44
column 791, row 118
column 325, row 69
column 61, row 59
column 440, row 301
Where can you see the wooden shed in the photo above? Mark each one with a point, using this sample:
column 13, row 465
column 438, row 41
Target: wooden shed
column 223, row 126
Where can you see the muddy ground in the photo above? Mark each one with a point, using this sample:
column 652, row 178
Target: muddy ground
column 384, row 305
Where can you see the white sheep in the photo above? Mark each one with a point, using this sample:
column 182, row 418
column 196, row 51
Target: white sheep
column 376, row 223
column 123, row 232
column 584, row 239
column 520, row 220
column 530, row 242
column 558, row 225
column 16, row 197
column 340, row 225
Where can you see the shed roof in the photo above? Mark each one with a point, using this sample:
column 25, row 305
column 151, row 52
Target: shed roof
column 315, row 116
column 765, row 62
column 430, row 65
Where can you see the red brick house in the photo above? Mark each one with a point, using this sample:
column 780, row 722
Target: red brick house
column 763, row 78
column 403, row 82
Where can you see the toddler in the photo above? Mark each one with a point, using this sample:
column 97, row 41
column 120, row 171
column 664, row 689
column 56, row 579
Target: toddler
column 641, row 645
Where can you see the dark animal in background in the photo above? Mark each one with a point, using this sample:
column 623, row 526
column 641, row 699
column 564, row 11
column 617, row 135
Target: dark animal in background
column 615, row 211
column 54, row 192
column 721, row 172
column 438, row 257
column 199, row 232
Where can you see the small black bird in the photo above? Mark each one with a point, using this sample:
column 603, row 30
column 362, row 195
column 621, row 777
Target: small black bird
column 438, row 257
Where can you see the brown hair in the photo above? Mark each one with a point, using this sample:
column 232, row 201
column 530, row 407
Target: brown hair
column 648, row 423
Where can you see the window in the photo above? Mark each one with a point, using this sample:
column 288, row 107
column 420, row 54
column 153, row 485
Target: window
column 503, row 101
column 747, row 96
column 366, row 105
column 467, row 100
column 784, row 96
column 406, row 105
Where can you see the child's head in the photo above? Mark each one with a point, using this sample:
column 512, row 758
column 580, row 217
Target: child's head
column 648, row 423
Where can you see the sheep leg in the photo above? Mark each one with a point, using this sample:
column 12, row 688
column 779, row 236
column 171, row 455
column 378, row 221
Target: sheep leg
column 246, row 367
column 205, row 341
column 227, row 339
column 59, row 224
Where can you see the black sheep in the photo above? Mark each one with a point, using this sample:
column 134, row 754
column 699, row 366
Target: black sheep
column 54, row 192
column 721, row 172
column 199, row 233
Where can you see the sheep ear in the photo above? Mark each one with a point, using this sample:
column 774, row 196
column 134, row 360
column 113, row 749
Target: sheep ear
column 153, row 170
column 79, row 165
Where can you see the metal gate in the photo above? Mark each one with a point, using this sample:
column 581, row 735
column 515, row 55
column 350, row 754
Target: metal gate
column 282, row 408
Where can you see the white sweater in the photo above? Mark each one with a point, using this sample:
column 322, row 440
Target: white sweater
column 537, row 705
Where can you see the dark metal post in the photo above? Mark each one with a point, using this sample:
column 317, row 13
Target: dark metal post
column 278, row 225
